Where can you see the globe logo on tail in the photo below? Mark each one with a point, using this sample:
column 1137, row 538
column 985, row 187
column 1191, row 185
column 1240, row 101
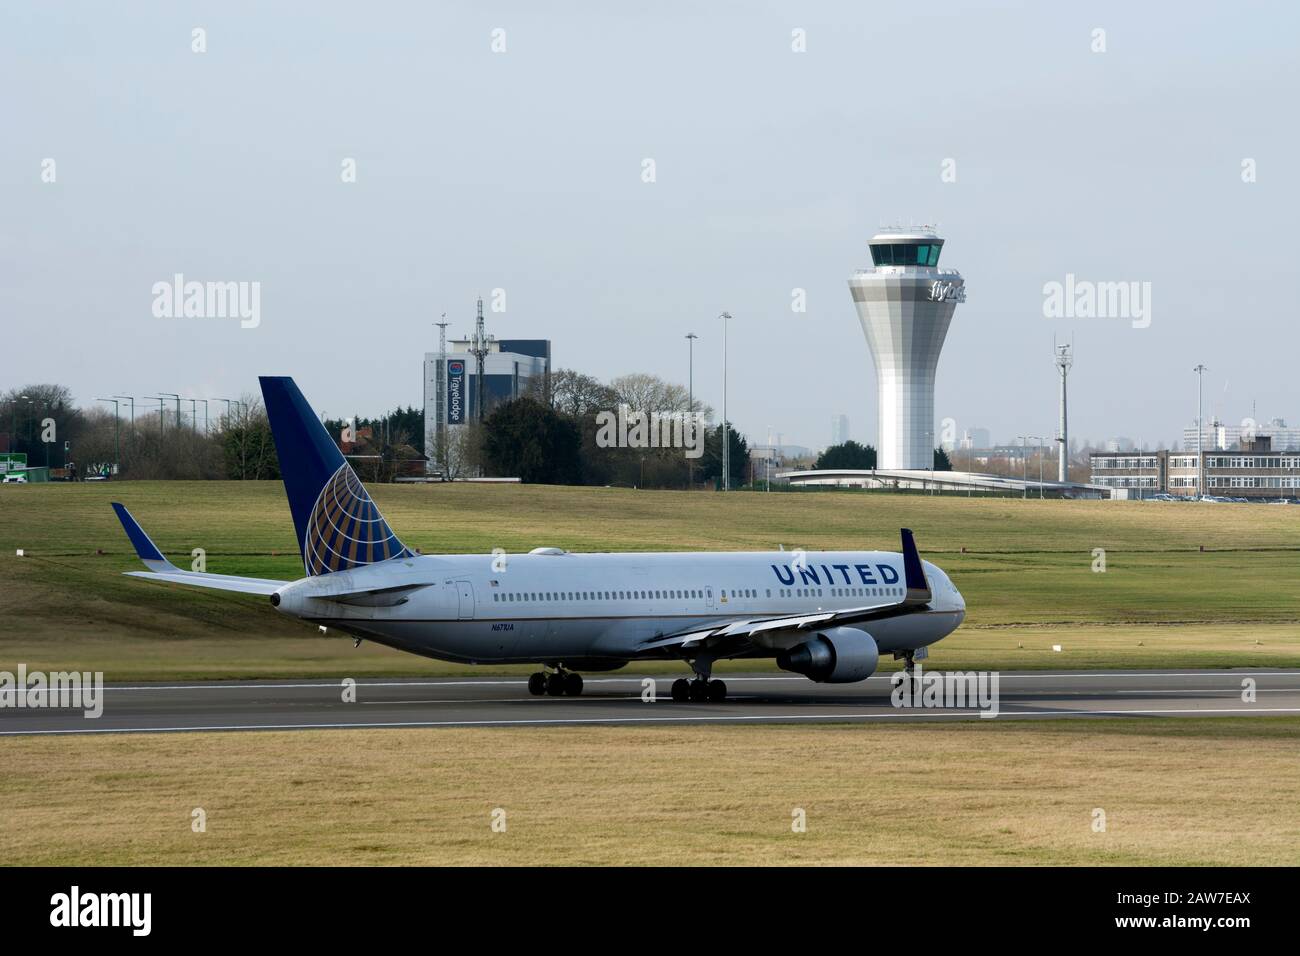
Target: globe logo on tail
column 346, row 530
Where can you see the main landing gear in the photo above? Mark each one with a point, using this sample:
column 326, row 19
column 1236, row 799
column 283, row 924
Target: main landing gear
column 699, row 691
column 702, row 689
column 558, row 683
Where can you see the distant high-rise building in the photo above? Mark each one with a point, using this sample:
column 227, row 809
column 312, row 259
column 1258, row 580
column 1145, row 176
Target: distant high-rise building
column 1223, row 437
column 839, row 429
column 976, row 438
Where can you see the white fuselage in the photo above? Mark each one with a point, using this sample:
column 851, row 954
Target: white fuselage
column 551, row 606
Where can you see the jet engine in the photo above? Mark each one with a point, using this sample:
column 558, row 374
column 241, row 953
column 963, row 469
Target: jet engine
column 837, row 655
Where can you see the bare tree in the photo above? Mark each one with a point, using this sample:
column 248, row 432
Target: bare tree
column 464, row 456
column 573, row 393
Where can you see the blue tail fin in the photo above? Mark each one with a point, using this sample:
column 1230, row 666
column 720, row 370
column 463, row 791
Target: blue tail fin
column 338, row 525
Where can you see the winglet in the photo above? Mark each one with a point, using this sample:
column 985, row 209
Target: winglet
column 918, row 588
column 145, row 549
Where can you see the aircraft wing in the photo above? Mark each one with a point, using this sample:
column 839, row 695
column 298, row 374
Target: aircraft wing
column 737, row 633
column 160, row 569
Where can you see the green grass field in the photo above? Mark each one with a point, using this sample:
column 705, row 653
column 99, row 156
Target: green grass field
column 1025, row 567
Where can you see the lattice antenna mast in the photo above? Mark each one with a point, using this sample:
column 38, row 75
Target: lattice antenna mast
column 479, row 349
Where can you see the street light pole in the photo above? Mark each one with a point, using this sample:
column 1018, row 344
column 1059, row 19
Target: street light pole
column 131, row 435
column 1140, row 453
column 1200, row 371
column 726, row 426
column 970, row 465
column 1039, row 439
column 690, row 374
column 690, row 400
column 178, row 405
column 232, row 401
column 1024, row 465
column 117, row 431
column 46, row 406
column 929, row 440
column 13, row 422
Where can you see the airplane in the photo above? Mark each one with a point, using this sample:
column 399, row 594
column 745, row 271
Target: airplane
column 827, row 615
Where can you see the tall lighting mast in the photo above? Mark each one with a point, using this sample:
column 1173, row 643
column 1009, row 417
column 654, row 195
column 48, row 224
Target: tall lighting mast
column 1200, row 371
column 690, row 398
column 1064, row 359
column 726, row 426
column 440, row 398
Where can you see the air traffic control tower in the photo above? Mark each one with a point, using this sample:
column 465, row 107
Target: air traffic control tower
column 905, row 302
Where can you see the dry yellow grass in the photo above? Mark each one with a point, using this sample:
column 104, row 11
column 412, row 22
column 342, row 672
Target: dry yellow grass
column 1188, row 792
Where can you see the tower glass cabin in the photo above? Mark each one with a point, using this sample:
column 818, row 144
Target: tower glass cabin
column 905, row 302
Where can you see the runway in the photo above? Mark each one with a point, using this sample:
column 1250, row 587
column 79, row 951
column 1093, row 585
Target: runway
column 618, row 700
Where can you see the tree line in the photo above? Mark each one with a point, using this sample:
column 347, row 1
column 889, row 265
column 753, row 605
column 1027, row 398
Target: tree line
column 550, row 435
column 850, row 454
column 560, row 432
column 155, row 442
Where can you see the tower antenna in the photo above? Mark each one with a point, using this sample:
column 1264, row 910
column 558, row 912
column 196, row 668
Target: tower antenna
column 479, row 349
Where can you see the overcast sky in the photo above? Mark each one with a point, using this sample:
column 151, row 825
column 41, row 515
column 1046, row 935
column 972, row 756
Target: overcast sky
column 523, row 170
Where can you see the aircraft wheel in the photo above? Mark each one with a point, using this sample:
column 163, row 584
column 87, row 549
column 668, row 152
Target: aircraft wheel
column 699, row 691
column 717, row 691
column 573, row 684
column 681, row 690
column 537, row 684
column 555, row 684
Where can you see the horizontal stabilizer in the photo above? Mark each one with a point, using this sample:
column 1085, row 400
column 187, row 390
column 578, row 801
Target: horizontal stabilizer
column 216, row 582
column 160, row 569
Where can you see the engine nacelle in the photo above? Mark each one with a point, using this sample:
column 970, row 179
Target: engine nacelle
column 837, row 655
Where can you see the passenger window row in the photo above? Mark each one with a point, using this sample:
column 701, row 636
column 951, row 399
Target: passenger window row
column 841, row 592
column 534, row 597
